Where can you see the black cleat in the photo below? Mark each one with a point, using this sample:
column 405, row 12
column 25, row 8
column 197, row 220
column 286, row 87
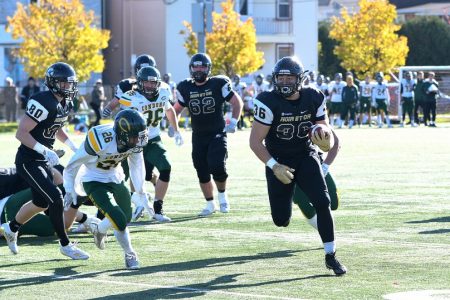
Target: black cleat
column 333, row 264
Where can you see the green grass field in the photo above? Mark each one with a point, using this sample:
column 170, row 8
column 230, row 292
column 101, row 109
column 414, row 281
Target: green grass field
column 392, row 228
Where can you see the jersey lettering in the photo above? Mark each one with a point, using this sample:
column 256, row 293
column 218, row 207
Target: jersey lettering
column 205, row 106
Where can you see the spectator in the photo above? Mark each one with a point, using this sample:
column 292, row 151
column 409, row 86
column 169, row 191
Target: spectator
column 259, row 85
column 419, row 98
column 10, row 96
column 335, row 89
column 365, row 101
column 270, row 81
column 381, row 100
column 30, row 89
column 98, row 96
column 239, row 87
column 349, row 100
column 431, row 89
column 312, row 78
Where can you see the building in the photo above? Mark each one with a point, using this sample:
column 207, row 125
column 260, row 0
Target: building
column 283, row 27
column 332, row 8
column 411, row 8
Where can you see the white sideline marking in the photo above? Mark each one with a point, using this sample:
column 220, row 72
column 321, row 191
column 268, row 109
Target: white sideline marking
column 422, row 295
column 78, row 277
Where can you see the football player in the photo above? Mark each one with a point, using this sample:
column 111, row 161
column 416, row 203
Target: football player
column 283, row 119
column 154, row 103
column 407, row 90
column 40, row 224
column 204, row 95
column 431, row 90
column 45, row 115
column 105, row 147
column 381, row 100
column 365, row 102
column 335, row 89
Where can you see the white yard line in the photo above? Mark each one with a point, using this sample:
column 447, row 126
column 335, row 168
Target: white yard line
column 145, row 285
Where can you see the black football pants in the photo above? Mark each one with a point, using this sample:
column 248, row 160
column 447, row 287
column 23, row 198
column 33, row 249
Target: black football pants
column 209, row 155
column 45, row 193
column 308, row 176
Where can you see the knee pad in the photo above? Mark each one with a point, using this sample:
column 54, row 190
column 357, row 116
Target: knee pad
column 164, row 175
column 203, row 176
column 220, row 178
column 281, row 222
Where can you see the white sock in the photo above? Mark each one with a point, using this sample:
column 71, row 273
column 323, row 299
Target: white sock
column 388, row 121
column 223, row 198
column 364, row 119
column 329, row 247
column 210, row 205
column 379, row 119
column 313, row 222
column 123, row 237
column 104, row 225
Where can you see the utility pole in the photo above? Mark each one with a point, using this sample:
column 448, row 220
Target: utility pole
column 202, row 21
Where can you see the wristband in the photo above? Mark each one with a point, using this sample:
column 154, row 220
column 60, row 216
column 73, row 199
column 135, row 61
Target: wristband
column 271, row 162
column 39, row 148
column 71, row 145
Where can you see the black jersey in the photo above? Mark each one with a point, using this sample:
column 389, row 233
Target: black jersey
column 205, row 103
column 289, row 120
column 50, row 115
column 124, row 86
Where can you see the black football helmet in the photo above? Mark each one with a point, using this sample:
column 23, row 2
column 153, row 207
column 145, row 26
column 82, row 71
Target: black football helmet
column 288, row 65
column 61, row 72
column 129, row 124
column 148, row 74
column 144, row 60
column 200, row 59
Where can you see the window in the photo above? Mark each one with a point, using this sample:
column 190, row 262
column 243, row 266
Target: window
column 243, row 7
column 284, row 50
column 284, row 9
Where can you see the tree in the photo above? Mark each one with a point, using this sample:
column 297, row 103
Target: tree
column 231, row 44
column 329, row 63
column 58, row 30
column 428, row 41
column 367, row 40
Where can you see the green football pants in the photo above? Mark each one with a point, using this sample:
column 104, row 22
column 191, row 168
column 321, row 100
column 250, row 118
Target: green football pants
column 304, row 203
column 39, row 225
column 113, row 200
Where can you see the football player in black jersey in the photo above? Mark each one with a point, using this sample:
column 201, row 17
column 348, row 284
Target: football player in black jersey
column 283, row 119
column 45, row 115
column 204, row 95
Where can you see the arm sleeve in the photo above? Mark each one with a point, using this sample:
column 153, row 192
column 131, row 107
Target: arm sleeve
column 36, row 111
column 137, row 171
column 70, row 172
column 262, row 113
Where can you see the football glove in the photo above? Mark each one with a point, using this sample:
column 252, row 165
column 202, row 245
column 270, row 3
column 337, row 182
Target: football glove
column 69, row 198
column 178, row 138
column 283, row 173
column 231, row 128
column 171, row 131
column 325, row 168
column 106, row 113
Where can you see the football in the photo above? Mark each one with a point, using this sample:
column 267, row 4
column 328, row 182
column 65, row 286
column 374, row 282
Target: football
column 321, row 136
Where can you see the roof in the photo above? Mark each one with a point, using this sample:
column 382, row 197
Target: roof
column 410, row 3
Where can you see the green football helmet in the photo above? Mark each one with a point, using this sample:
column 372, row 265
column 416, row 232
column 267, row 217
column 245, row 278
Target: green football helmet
column 148, row 74
column 131, row 130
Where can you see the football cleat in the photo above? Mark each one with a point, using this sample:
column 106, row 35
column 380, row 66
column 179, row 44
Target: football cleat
column 138, row 213
column 208, row 210
column 11, row 237
column 81, row 228
column 131, row 261
column 162, row 218
column 72, row 251
column 224, row 207
column 99, row 237
column 333, row 264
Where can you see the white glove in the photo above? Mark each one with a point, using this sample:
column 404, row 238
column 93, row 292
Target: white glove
column 106, row 113
column 148, row 204
column 50, row 155
column 69, row 198
column 231, row 128
column 325, row 168
column 178, row 138
column 171, row 131
column 142, row 199
column 283, row 173
column 71, row 145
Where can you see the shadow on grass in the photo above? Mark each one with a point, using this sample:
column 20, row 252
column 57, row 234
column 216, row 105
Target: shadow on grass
column 153, row 222
column 219, row 286
column 211, row 262
column 437, row 220
column 436, row 231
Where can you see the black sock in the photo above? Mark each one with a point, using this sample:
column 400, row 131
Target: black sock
column 57, row 219
column 210, row 199
column 221, row 191
column 14, row 225
column 83, row 218
column 157, row 206
column 100, row 215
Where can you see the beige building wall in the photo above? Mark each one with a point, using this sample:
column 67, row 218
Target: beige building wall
column 137, row 27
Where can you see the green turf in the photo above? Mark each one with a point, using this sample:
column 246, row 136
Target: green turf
column 392, row 228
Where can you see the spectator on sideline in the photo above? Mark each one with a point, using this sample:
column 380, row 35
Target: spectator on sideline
column 349, row 101
column 431, row 89
column 419, row 98
column 98, row 96
column 30, row 89
column 10, row 98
